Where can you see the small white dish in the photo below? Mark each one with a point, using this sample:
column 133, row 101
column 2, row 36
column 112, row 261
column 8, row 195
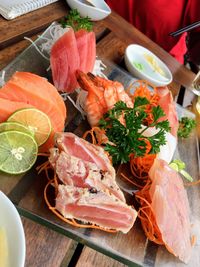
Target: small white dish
column 136, row 55
column 95, row 13
column 11, row 222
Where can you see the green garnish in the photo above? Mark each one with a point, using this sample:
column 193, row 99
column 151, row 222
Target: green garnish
column 179, row 166
column 127, row 137
column 138, row 66
column 186, row 125
column 74, row 20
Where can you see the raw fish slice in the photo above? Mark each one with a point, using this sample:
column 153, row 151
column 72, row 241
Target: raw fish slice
column 171, row 209
column 80, row 173
column 86, row 44
column 32, row 89
column 168, row 105
column 78, row 147
column 39, row 85
column 7, row 107
column 98, row 208
column 19, row 90
column 65, row 61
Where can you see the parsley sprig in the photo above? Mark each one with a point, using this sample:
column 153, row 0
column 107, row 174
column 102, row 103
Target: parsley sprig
column 125, row 129
column 186, row 125
column 74, row 20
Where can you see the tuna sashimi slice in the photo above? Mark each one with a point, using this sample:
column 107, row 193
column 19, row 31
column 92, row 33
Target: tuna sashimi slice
column 171, row 209
column 80, row 173
column 65, row 61
column 86, row 44
column 168, row 105
column 98, row 208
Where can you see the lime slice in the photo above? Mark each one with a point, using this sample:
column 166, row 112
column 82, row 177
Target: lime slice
column 11, row 125
column 18, row 152
column 36, row 121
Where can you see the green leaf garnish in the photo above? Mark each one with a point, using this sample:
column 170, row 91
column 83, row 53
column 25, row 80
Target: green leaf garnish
column 186, row 125
column 125, row 126
column 179, row 166
column 74, row 20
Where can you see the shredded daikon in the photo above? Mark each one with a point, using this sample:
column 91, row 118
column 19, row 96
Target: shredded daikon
column 2, row 78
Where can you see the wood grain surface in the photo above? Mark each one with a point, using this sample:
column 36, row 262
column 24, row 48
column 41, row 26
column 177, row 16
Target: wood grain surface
column 45, row 247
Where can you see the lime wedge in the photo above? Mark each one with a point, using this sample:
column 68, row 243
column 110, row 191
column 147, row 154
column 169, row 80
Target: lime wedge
column 18, row 152
column 11, row 125
column 36, row 121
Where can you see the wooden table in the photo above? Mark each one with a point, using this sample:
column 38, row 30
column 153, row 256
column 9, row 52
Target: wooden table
column 44, row 246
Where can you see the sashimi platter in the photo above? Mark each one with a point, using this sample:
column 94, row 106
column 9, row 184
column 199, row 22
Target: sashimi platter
column 94, row 153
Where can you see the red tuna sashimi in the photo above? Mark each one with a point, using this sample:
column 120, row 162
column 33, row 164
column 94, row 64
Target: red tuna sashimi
column 65, row 61
column 168, row 105
column 86, row 44
column 78, row 147
column 98, row 208
column 171, row 209
column 80, row 173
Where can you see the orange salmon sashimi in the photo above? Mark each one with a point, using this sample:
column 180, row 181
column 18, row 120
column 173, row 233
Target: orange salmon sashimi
column 32, row 90
column 102, row 95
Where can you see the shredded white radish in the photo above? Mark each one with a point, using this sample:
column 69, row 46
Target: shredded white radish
column 2, row 78
column 36, row 47
column 99, row 67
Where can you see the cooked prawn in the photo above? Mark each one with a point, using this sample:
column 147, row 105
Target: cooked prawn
column 102, row 95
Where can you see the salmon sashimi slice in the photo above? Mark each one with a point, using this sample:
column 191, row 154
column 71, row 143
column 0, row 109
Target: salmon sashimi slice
column 7, row 107
column 169, row 107
column 95, row 207
column 86, row 44
column 35, row 91
column 41, row 86
column 171, row 209
column 20, row 90
column 81, row 173
column 65, row 60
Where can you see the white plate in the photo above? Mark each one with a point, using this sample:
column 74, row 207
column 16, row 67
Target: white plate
column 95, row 13
column 135, row 54
column 11, row 222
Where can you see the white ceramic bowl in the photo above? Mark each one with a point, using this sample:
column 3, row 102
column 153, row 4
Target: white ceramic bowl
column 100, row 11
column 135, row 54
column 11, row 222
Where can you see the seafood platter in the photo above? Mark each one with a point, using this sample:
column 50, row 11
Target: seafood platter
column 98, row 155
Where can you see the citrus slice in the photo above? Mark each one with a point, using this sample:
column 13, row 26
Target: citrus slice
column 11, row 125
column 36, row 121
column 18, row 152
column 3, row 248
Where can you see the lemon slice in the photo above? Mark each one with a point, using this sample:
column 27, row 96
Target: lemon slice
column 3, row 248
column 36, row 121
column 11, row 125
column 18, row 152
